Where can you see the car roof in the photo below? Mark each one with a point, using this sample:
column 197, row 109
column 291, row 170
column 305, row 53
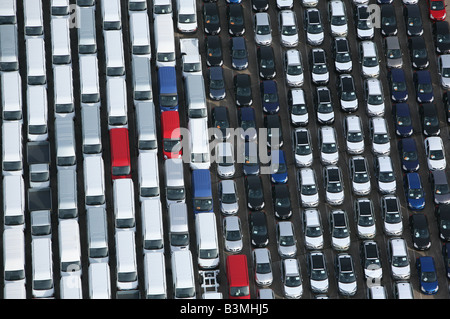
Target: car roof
column 369, row 48
column 242, row 78
column 435, row 142
column 235, row 8
column 445, row 60
column 291, row 266
column 392, row 42
column 371, row 249
column 312, row 217
column 402, row 109
column 228, row 186
column 307, row 174
column 385, row 163
column 265, row 50
column 341, row 44
column 298, row 96
column 273, row 120
column 391, row 203
column 347, row 82
column 414, row 180
column 333, row 173
column 408, row 144
column 427, row 263
column 238, row 43
column 362, row 11
column 345, row 261
column 216, row 72
column 287, row 17
column 412, row 9
column 374, row 86
column 365, row 206
column 353, row 123
column 429, row 109
column 210, row 7
column 359, row 164
column 328, row 134
column 423, row 76
column 281, row 189
column 269, row 86
column 293, row 56
column 262, row 18
column 439, row 176
column 259, row 217
column 220, row 112
column 281, row 156
column 247, row 113
column 339, row 218
column 301, row 136
column 323, row 94
column 317, row 260
column 338, row 7
column 379, row 124
column 397, row 74
column 318, row 56
column 285, row 227
column 232, row 222
column 417, row 41
column 262, row 254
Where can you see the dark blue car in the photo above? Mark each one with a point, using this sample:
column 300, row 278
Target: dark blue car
column 415, row 195
column 424, row 87
column 279, row 173
column 269, row 96
column 446, row 256
column 426, row 271
column 402, row 120
column 397, row 83
column 407, row 149
column 239, row 54
column 216, row 83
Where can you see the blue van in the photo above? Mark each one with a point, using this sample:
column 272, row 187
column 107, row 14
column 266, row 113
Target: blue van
column 426, row 271
column 168, row 93
column 279, row 174
column 201, row 191
column 415, row 194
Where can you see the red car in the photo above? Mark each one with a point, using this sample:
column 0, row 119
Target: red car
column 437, row 10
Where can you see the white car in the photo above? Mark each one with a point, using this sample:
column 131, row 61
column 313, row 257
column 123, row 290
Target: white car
column 228, row 197
column 342, row 57
column 384, row 173
column 365, row 218
column 286, row 240
column 285, row 4
column 374, row 97
column 398, row 258
column 312, row 229
column 324, row 105
column 338, row 18
column 302, row 147
column 392, row 215
column 293, row 68
column 340, row 230
column 288, row 29
column 359, row 175
column 354, row 135
column 379, row 136
column 345, row 274
column 309, row 3
column 364, row 28
column 333, row 184
column 318, row 272
column 313, row 26
column 370, row 66
column 319, row 68
column 329, row 150
column 225, row 160
column 291, row 278
column 297, row 107
column 307, row 187
column 347, row 93
column 435, row 153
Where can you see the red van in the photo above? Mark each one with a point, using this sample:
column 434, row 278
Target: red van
column 120, row 153
column 237, row 275
column 171, row 136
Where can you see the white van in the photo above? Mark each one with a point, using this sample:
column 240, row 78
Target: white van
column 87, row 38
column 11, row 86
column 147, row 138
column 8, row 12
column 97, row 235
column 140, row 33
column 207, row 240
column 194, row 88
column 33, row 17
column 178, row 227
column 111, row 15
column 65, row 141
column 70, row 287
column 14, row 201
column 60, row 34
column 35, row 54
column 14, row 290
column 186, row 16
column 14, row 255
column 152, row 225
column 116, row 100
column 63, row 90
column 60, row 7
column 94, row 180
column 124, row 211
column 91, row 129
column 199, row 143
column 183, row 275
column 89, row 79
column 142, row 78
column 12, row 160
column 67, row 193
column 148, row 175
column 37, row 106
column 69, row 247
column 42, row 266
column 114, row 55
column 155, row 276
column 164, row 40
column 174, row 178
column 127, row 276
column 9, row 49
column 99, row 281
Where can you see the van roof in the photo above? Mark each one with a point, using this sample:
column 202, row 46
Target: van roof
column 11, row 90
column 99, row 281
column 123, row 191
column 170, row 121
column 237, row 270
column 93, row 172
column 174, row 171
column 182, row 260
column 13, row 249
column 42, row 258
column 126, row 251
column 97, row 226
column 120, row 146
column 178, row 217
column 69, row 240
column 208, row 236
column 155, row 273
column 151, row 211
column 167, row 78
column 13, row 195
column 201, row 181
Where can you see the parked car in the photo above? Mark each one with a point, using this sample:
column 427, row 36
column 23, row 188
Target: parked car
column 440, row 187
column 443, row 65
column 409, row 156
column 278, row 167
column 282, row 207
column 216, row 83
column 413, row 20
column 371, row 260
column 437, row 10
column 442, row 213
column 236, row 19
column 398, row 257
column 339, row 230
column 302, row 147
column 293, row 68
column 254, row 191
column 262, row 28
column 402, row 119
column 379, row 136
column 364, row 218
column 347, row 93
column 354, row 134
column 239, row 53
column 287, row 27
column 242, row 89
column 359, row 175
column 345, row 274
column 259, row 234
column 213, row 48
column 312, row 229
column 364, row 27
column 384, row 172
column 247, row 123
column 286, row 240
column 429, row 119
column 388, row 20
column 414, row 192
column 291, row 278
column 397, row 83
column 307, row 187
column 297, row 107
column 423, row 86
column 418, row 52
column 232, row 233
column 435, row 153
column 266, row 62
column 426, row 270
column 313, row 26
column 374, row 97
column 269, row 96
column 324, row 105
column 211, row 18
column 441, row 37
column 262, row 265
column 319, row 67
column 329, row 150
column 392, row 215
column 342, row 56
column 393, row 51
column 228, row 197
column 317, row 272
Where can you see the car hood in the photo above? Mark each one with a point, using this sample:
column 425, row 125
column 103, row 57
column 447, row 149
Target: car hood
column 355, row 147
column 309, row 200
column 263, row 38
column 230, row 208
column 429, row 287
column 416, row 203
column 264, row 279
column 343, row 66
column 401, row 272
column 283, row 212
column 373, row 273
column 287, row 250
column 381, row 148
column 314, row 242
column 393, row 229
column 293, row 291
column 365, row 34
column 410, row 166
column 299, row 118
column 240, row 63
column 341, row 243
column 329, row 158
column 233, row 245
column 320, row 286
column 347, row 288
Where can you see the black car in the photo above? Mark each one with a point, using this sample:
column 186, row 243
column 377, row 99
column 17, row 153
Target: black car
column 254, row 191
column 260, row 5
column 418, row 52
column 236, row 21
column 441, row 36
column 242, row 89
column 429, row 118
column 216, row 83
column 221, row 121
column 419, row 231
column 413, row 20
column 281, row 201
column 213, row 48
column 446, row 102
column 259, row 234
column 272, row 123
column 247, row 123
column 266, row 62
column 388, row 20
column 239, row 53
column 442, row 212
column 211, row 18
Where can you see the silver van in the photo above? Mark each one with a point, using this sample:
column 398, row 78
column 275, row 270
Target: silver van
column 87, row 38
column 155, row 276
column 126, row 269
column 142, row 78
column 114, row 55
column 94, row 180
column 97, row 235
column 183, row 275
column 207, row 241
column 124, row 211
column 35, row 53
column 14, row 201
column 174, row 175
column 33, row 17
column 61, row 53
column 11, row 86
column 147, row 138
column 8, row 12
column 60, row 7
column 63, row 90
column 12, row 159
column 116, row 100
column 90, row 129
column 140, row 33
column 111, row 15
column 42, row 267
column 67, row 193
column 99, row 281
column 65, row 141
column 178, row 227
column 195, row 95
column 89, row 79
column 37, row 107
column 152, row 225
column 9, row 50
column 148, row 175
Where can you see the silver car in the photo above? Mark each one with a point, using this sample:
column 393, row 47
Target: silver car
column 286, row 240
column 364, row 28
column 262, row 28
column 262, row 265
column 225, row 160
column 384, row 172
column 393, row 52
column 293, row 68
column 232, row 234
column 441, row 190
column 291, row 278
column 338, row 18
column 287, row 26
column 307, row 187
column 313, row 26
column 392, row 215
column 340, row 230
column 398, row 257
column 312, row 229
column 228, row 197
column 443, row 63
column 333, row 184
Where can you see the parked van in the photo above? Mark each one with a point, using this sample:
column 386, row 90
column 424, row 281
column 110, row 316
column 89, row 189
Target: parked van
column 97, row 235
column 9, row 49
column 14, row 201
column 186, row 16
column 148, row 175
column 11, row 86
column 67, row 193
column 70, row 287
column 155, row 276
column 111, row 15
column 194, row 88
column 116, row 99
column 63, row 90
column 61, row 53
column 174, row 178
column 33, row 19
column 178, row 227
column 91, row 129
column 14, row 290
column 127, row 276
column 14, row 255
column 207, row 241
column 69, row 247
column 237, row 276
column 142, row 78
column 99, row 281
column 183, row 275
column 35, row 52
column 37, row 106
column 8, row 12
column 87, row 38
column 140, row 33
column 12, row 160
column 40, row 224
column 124, row 211
column 60, row 7
column 89, row 79
column 147, row 138
column 42, row 267
column 94, row 180
column 164, row 40
column 199, row 143
column 114, row 55
column 202, row 200
column 152, row 225
column 167, row 86
column 65, row 141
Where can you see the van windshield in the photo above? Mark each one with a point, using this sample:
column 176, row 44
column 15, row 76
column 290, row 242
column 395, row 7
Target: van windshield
column 12, row 115
column 198, row 113
column 153, row 244
column 239, row 291
column 175, row 193
column 149, row 191
column 208, row 253
column 71, row 266
column 172, row 146
column 192, row 67
column 162, row 9
column 165, row 56
column 117, row 120
column 168, row 100
column 127, row 276
column 37, row 129
column 95, row 200
column 98, row 252
column 203, row 204
column 121, row 170
column 185, row 292
column 179, row 239
column 42, row 284
column 39, row 177
column 12, row 166
column 125, row 222
column 11, row 275
column 187, row 18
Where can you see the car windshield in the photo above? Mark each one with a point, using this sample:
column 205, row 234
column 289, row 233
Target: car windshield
column 192, row 67
column 347, row 277
column 187, row 18
column 400, row 261
column 375, row 99
column 259, row 230
column 289, row 30
column 243, row 91
column 409, row 156
column 354, row 137
column 325, row 108
column 255, row 193
column 292, row 281
column 421, row 233
column 263, row 30
column 420, row 53
column 162, row 9
column 370, row 61
column 314, row 28
column 175, row 193
column 415, row 193
column 443, row 37
column 239, row 291
column 229, row 198
column 309, row 189
column 267, row 63
column 217, row 84
column 364, row 24
column 414, row 21
column 263, row 268
column 361, row 177
column 394, row 53
column 171, row 146
column 340, row 232
column 303, row 150
column 233, row 235
column 287, row 240
column 203, row 204
column 299, row 109
column 387, row 177
column 212, row 18
column 313, row 231
column 392, row 218
column 436, row 155
column 338, row 20
column 282, row 202
column 380, row 138
column 441, row 189
column 239, row 54
column 437, row 5
column 334, row 187
column 446, row 72
column 425, row 88
column 348, row 95
column 236, row 20
column 430, row 121
column 247, row 124
column 279, row 168
column 388, row 20
column 270, row 97
column 343, row 57
column 214, row 51
column 399, row 86
column 445, row 224
column 320, row 68
column 404, row 120
column 366, row 220
column 329, row 148
column 370, row 262
column 319, row 274
column 168, row 100
column 428, row 276
column 294, row 69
